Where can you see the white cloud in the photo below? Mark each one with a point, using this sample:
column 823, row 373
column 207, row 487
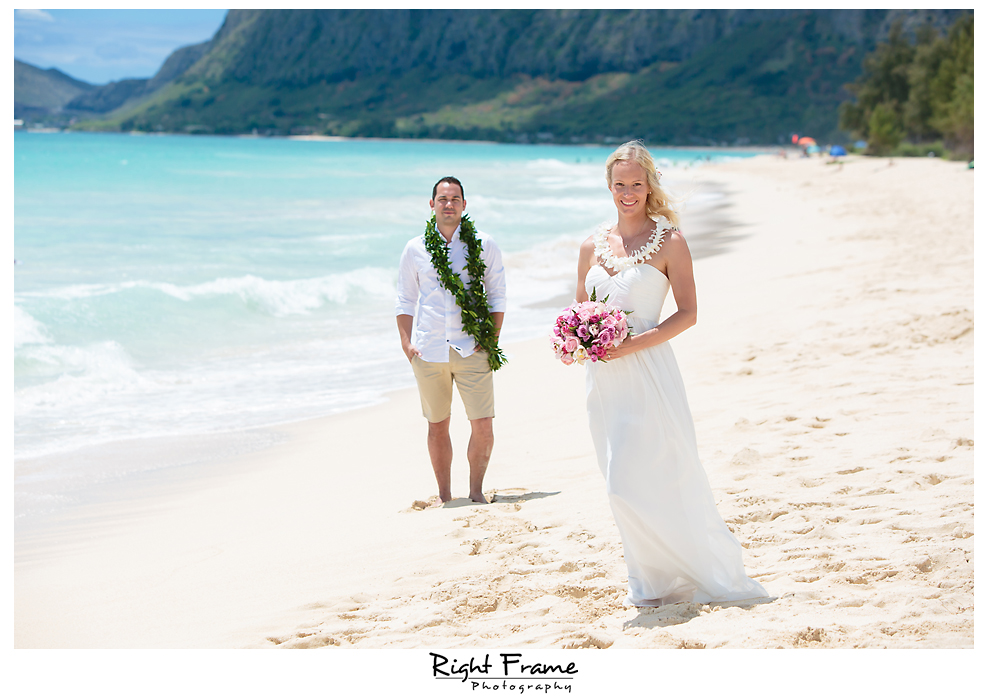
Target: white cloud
column 34, row 15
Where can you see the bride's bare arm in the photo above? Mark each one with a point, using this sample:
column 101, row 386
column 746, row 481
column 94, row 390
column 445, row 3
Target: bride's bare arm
column 679, row 269
column 584, row 263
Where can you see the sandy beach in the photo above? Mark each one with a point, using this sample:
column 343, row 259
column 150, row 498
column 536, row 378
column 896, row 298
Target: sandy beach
column 831, row 379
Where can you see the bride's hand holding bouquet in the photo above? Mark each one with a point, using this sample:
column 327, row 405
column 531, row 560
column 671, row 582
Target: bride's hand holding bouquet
column 589, row 331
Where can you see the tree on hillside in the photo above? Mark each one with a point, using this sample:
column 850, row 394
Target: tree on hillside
column 885, row 131
column 954, row 85
column 922, row 91
column 920, row 106
column 881, row 93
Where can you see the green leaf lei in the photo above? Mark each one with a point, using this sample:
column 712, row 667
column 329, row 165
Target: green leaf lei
column 473, row 300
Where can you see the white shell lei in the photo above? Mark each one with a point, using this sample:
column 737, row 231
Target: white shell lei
column 620, row 264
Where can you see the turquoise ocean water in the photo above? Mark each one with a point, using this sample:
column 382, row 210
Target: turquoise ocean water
column 168, row 286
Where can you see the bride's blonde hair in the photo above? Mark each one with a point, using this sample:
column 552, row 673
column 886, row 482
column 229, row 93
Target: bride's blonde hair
column 658, row 201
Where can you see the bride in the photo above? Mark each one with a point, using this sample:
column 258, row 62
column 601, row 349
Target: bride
column 677, row 547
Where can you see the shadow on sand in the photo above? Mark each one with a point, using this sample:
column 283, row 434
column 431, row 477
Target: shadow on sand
column 520, row 497
column 499, row 498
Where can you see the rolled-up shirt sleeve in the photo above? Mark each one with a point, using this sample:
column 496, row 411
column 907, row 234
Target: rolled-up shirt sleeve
column 494, row 277
column 408, row 283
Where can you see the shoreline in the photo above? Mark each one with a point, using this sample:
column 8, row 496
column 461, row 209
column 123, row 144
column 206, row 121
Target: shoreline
column 853, row 509
column 748, row 148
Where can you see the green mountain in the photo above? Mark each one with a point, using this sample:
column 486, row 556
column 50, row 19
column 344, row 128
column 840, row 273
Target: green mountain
column 38, row 92
column 669, row 76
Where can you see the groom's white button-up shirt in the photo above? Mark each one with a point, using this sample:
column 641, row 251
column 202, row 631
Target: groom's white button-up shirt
column 437, row 316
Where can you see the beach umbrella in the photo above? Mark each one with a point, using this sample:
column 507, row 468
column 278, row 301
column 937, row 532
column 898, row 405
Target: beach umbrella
column 861, row 144
column 813, row 149
column 806, row 141
column 838, row 150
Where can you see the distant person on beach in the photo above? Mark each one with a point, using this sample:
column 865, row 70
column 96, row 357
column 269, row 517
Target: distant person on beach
column 451, row 304
column 676, row 546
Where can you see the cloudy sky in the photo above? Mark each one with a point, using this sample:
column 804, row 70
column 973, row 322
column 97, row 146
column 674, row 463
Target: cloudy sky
column 103, row 45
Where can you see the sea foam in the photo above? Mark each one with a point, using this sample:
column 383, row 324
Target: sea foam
column 27, row 330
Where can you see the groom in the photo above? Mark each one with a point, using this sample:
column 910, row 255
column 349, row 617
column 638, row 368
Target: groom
column 451, row 304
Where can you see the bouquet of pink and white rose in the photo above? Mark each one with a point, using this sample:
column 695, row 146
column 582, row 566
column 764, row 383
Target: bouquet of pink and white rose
column 587, row 330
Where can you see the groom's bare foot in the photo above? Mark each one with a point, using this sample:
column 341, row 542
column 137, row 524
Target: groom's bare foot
column 439, row 500
column 479, row 498
column 432, row 502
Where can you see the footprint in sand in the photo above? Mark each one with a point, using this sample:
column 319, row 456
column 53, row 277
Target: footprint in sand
column 420, row 505
column 746, row 457
column 809, row 636
column 589, row 641
column 691, row 645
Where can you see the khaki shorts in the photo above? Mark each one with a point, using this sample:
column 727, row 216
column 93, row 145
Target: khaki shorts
column 474, row 379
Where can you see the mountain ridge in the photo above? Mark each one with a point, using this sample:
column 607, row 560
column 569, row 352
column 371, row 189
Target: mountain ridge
column 513, row 75
column 37, row 91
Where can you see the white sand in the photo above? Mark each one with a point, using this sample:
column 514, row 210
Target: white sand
column 831, row 376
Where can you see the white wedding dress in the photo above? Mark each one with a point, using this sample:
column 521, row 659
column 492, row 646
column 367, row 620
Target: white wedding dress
column 677, row 547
